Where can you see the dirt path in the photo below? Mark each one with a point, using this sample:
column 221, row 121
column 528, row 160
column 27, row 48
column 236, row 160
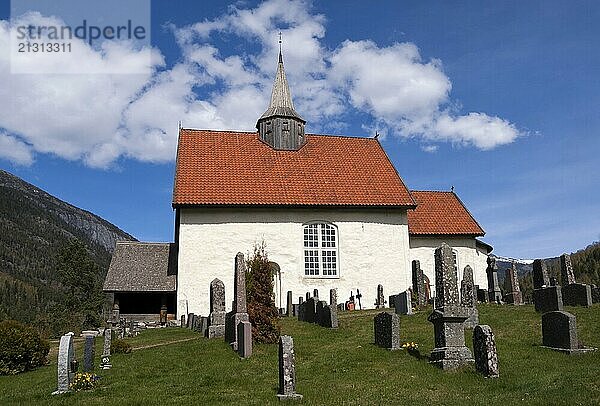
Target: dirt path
column 161, row 344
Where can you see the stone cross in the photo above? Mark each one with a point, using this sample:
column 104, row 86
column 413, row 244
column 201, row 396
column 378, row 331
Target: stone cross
column 495, row 295
column 513, row 294
column 239, row 312
column 484, row 349
column 540, row 274
column 467, row 297
column 448, row 317
column 66, row 356
column 418, row 283
column 386, row 327
column 380, row 302
column 89, row 351
column 566, row 270
column 287, row 370
column 446, row 283
column 290, row 304
column 105, row 359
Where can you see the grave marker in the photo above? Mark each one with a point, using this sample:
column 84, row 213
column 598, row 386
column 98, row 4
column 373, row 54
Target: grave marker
column 287, row 370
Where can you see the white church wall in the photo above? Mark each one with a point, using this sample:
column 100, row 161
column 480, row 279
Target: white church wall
column 423, row 248
column 373, row 249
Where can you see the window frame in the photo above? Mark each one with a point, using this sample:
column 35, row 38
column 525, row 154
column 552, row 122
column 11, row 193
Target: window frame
column 321, row 249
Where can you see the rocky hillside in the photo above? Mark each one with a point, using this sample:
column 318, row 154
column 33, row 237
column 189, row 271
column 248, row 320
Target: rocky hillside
column 34, row 227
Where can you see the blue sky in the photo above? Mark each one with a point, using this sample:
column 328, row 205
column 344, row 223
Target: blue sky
column 498, row 99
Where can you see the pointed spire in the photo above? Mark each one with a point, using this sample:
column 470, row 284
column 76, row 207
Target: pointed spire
column 281, row 126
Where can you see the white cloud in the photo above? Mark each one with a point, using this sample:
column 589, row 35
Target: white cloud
column 101, row 117
column 14, row 150
column 429, row 148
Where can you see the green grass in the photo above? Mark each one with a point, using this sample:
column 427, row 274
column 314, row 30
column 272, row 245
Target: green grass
column 336, row 367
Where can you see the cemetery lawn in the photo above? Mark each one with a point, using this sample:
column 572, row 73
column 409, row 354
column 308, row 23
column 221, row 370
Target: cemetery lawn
column 335, row 367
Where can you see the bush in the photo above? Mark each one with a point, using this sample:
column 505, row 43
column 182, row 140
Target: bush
column 262, row 312
column 118, row 346
column 21, row 348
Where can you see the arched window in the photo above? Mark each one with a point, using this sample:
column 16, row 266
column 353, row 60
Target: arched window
column 320, row 250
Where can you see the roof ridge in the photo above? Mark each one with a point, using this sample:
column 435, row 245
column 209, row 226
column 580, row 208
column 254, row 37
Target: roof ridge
column 432, row 191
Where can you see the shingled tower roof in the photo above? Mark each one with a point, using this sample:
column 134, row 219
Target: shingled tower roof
column 281, row 97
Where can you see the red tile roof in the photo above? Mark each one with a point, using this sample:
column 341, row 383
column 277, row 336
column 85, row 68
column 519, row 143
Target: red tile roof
column 236, row 168
column 441, row 213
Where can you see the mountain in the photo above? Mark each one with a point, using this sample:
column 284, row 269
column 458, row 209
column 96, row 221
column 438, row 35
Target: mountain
column 34, row 227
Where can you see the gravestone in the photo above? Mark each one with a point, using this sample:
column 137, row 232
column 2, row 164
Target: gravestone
column 316, row 293
column 403, row 303
column 574, row 294
column 307, row 295
column 427, row 288
column 467, row 297
column 418, row 283
column 386, row 328
column 239, row 312
column 310, row 309
column 548, row 299
column 320, row 312
column 484, row 350
column 66, row 356
column 244, row 339
column 182, row 323
column 105, row 358
column 380, row 302
column 116, row 314
column 290, row 304
column 482, row 295
column 89, row 351
column 301, row 310
column 540, row 274
column 189, row 320
column 513, row 295
column 448, row 318
column 567, row 276
column 216, row 319
column 494, row 293
column 287, row 370
column 559, row 331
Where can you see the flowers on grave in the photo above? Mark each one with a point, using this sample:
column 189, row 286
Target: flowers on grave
column 411, row 347
column 84, row 381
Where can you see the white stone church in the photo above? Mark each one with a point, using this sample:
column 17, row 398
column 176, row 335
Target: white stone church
column 332, row 211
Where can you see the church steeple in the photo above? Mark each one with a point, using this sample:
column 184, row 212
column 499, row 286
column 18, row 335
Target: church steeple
column 281, row 126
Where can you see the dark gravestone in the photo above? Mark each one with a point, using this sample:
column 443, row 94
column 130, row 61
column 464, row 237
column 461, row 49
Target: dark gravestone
column 287, row 370
column 386, row 328
column 204, row 323
column 513, row 295
column 577, row 294
column 392, row 301
column 290, row 305
column 239, row 312
column 295, row 310
column 310, row 308
column 548, row 299
column 403, row 303
column 559, row 331
column 540, row 274
column 320, row 312
column 301, row 311
column 216, row 319
column 244, row 339
column 316, row 293
column 189, row 320
column 448, row 318
column 567, row 276
column 89, row 352
column 494, row 293
column 66, row 356
column 380, row 301
column 418, row 283
column 307, row 295
column 182, row 324
column 467, row 297
column 482, row 296
column 484, row 350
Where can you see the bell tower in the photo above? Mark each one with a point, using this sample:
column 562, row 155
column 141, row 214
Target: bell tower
column 280, row 126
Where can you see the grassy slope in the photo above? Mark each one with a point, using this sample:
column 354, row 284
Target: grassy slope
column 338, row 367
